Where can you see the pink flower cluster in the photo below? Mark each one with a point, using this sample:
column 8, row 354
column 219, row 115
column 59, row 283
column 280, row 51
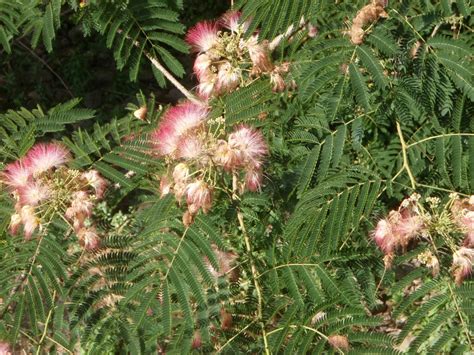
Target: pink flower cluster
column 197, row 149
column 411, row 221
column 462, row 212
column 42, row 185
column 398, row 229
column 226, row 60
column 5, row 348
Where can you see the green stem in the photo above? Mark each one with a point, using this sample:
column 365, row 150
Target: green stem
column 255, row 276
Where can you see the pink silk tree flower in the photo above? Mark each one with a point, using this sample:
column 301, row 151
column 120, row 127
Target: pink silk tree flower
column 5, row 348
column 198, row 195
column 203, row 36
column 462, row 264
column 177, row 121
column 253, row 180
column 228, row 78
column 249, row 146
column 190, row 147
column 278, row 84
column 45, row 156
column 15, row 222
column 17, row 174
column 469, row 240
column 202, row 65
column 165, row 186
column 223, row 155
column 88, row 238
column 81, row 203
column 30, row 221
column 259, row 55
column 95, row 180
column 384, row 237
column 205, row 89
column 81, row 208
column 180, row 173
column 467, row 221
column 339, row 342
column 408, row 227
column 188, row 218
column 164, row 139
column 232, row 21
column 33, row 193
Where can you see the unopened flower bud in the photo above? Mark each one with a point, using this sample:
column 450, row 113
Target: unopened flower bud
column 141, row 113
column 165, row 186
column 15, row 222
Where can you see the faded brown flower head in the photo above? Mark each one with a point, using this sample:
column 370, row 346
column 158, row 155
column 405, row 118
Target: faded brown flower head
column 339, row 342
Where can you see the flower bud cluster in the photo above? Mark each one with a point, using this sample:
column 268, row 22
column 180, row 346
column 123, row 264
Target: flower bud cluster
column 198, row 150
column 411, row 222
column 226, row 60
column 43, row 187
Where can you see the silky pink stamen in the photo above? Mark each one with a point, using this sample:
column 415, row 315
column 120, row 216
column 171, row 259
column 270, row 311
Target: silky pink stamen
column 190, row 147
column 228, row 78
column 249, row 146
column 44, row 156
column 203, row 36
column 384, row 237
column 177, row 121
column 253, row 180
column 201, row 65
column 232, row 21
column 29, row 220
column 17, row 174
column 33, row 193
column 198, row 195
column 95, row 180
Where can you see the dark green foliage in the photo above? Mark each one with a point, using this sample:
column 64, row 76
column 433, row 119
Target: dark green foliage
column 141, row 30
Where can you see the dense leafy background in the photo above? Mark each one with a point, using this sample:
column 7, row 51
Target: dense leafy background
column 336, row 166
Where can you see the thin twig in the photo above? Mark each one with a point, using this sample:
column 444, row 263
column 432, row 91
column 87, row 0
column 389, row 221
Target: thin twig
column 339, row 350
column 440, row 136
column 176, row 253
column 165, row 72
column 240, row 217
column 405, row 157
column 48, row 318
column 47, row 66
column 235, row 336
column 173, row 80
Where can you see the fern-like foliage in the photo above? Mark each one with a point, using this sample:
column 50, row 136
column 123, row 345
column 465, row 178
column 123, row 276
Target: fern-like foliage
column 119, row 149
column 137, row 31
column 18, row 129
column 275, row 17
column 141, row 30
column 40, row 19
